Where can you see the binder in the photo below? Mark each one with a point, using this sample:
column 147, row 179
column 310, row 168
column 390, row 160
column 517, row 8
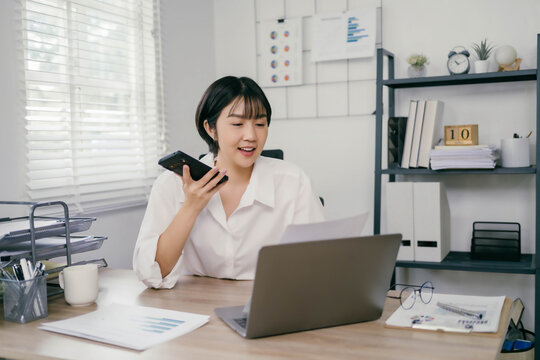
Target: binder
column 407, row 143
column 400, row 216
column 431, row 221
column 417, row 135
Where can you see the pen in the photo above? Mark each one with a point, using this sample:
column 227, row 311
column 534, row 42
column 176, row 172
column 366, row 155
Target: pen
column 459, row 310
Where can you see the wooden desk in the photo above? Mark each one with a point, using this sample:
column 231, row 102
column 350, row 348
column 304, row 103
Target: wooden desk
column 370, row 340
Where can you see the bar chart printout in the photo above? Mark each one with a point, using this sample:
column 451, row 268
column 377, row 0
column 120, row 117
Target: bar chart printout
column 347, row 35
column 131, row 326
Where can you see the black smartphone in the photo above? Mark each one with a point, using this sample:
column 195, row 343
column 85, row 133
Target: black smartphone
column 176, row 161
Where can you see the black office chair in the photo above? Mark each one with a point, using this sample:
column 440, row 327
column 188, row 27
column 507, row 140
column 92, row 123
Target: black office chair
column 276, row 154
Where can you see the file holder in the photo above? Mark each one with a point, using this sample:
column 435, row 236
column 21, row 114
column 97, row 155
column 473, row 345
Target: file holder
column 25, row 300
column 496, row 241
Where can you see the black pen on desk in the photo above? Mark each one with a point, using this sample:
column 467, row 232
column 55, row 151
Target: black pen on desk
column 458, row 310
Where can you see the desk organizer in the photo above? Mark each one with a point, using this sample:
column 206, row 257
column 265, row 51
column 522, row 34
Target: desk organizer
column 44, row 237
column 26, row 300
column 496, row 241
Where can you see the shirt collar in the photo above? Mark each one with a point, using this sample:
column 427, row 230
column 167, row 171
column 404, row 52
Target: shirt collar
column 261, row 185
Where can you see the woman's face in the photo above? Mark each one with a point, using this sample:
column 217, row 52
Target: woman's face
column 241, row 137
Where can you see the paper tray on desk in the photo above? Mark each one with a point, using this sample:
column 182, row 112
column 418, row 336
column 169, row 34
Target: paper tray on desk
column 49, row 248
column 18, row 229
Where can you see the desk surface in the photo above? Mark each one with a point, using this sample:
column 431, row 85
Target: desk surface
column 368, row 340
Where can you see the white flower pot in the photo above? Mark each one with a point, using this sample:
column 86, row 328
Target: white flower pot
column 481, row 66
column 416, row 71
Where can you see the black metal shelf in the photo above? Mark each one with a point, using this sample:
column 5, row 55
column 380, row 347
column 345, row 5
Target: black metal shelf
column 465, row 79
column 462, row 261
column 457, row 260
column 497, row 170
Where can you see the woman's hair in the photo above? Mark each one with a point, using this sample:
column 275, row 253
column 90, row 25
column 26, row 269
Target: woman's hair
column 221, row 93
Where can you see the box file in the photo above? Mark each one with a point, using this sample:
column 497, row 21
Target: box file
column 400, row 216
column 431, row 221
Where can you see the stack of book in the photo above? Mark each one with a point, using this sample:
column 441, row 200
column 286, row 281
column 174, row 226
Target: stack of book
column 424, row 130
column 464, row 157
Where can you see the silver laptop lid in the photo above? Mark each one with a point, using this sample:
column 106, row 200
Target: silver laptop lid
column 309, row 285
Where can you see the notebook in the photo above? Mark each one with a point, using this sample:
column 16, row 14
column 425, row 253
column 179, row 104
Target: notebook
column 316, row 284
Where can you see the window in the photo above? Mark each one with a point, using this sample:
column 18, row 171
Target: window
column 94, row 109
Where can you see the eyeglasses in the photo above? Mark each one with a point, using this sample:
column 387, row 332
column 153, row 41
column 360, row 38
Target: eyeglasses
column 425, row 291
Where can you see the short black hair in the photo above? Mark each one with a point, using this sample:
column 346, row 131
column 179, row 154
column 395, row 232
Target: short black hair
column 223, row 92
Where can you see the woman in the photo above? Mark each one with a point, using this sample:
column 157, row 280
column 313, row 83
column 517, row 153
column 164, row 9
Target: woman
column 201, row 228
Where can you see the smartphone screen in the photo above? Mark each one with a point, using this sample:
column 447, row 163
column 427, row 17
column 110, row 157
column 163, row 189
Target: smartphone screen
column 176, row 161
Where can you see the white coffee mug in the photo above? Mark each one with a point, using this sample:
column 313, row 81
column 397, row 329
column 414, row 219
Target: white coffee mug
column 80, row 284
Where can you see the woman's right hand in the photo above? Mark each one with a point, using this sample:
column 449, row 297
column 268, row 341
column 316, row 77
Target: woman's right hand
column 199, row 192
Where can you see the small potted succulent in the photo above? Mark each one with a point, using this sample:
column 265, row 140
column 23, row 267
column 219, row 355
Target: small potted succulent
column 417, row 64
column 483, row 52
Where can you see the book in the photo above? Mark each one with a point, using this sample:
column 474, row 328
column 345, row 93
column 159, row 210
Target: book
column 409, row 135
column 417, row 134
column 431, row 131
column 430, row 316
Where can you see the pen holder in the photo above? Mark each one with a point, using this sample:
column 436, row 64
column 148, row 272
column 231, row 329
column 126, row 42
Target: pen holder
column 515, row 152
column 26, row 300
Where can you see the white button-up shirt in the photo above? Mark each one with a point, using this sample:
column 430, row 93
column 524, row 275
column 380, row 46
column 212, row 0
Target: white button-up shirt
column 279, row 193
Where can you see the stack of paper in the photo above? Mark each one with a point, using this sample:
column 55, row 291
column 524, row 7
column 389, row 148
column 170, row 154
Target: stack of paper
column 464, row 157
column 131, row 326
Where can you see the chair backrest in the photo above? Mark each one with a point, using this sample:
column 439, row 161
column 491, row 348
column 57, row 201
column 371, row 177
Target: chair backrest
column 276, row 154
column 273, row 153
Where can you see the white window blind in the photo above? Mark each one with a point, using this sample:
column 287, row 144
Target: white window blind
column 94, row 102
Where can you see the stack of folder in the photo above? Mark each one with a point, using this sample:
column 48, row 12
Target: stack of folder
column 464, row 157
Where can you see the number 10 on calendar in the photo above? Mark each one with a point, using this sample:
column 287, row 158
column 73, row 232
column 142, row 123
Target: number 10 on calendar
column 461, row 135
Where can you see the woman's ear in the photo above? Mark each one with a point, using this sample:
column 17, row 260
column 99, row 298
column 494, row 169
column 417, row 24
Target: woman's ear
column 211, row 132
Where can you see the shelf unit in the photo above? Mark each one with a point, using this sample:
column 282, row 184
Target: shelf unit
column 529, row 263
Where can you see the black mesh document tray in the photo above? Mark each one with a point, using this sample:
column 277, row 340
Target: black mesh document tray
column 496, row 241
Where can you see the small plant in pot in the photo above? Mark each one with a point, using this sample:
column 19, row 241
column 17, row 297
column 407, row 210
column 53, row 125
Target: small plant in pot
column 417, row 64
column 483, row 52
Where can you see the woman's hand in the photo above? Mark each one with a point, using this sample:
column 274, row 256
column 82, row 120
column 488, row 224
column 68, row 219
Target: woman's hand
column 198, row 193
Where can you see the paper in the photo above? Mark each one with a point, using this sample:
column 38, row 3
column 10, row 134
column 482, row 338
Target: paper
column 347, row 35
column 326, row 230
column 463, row 157
column 281, row 56
column 131, row 326
column 47, row 248
column 15, row 226
column 431, row 317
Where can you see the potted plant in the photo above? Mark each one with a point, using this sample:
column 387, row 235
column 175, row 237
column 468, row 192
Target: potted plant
column 417, row 64
column 483, row 52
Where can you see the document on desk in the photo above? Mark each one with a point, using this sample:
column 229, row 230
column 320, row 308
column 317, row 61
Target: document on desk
column 432, row 317
column 325, row 230
column 131, row 326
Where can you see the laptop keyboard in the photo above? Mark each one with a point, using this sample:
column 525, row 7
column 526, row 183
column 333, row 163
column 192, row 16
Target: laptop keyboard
column 242, row 322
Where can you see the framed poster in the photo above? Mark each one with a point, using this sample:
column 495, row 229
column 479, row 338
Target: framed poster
column 281, row 54
column 351, row 34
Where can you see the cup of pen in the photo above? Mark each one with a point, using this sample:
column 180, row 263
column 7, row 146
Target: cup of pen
column 25, row 300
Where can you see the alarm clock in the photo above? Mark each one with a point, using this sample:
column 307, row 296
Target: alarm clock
column 458, row 61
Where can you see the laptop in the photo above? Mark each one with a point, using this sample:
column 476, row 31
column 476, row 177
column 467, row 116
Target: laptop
column 316, row 284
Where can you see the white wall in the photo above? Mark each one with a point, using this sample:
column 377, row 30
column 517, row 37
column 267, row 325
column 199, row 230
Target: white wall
column 338, row 152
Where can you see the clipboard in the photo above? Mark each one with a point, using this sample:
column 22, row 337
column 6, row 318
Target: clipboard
column 496, row 311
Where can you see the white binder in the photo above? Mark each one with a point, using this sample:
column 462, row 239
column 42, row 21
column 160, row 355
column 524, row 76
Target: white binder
column 400, row 216
column 431, row 221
